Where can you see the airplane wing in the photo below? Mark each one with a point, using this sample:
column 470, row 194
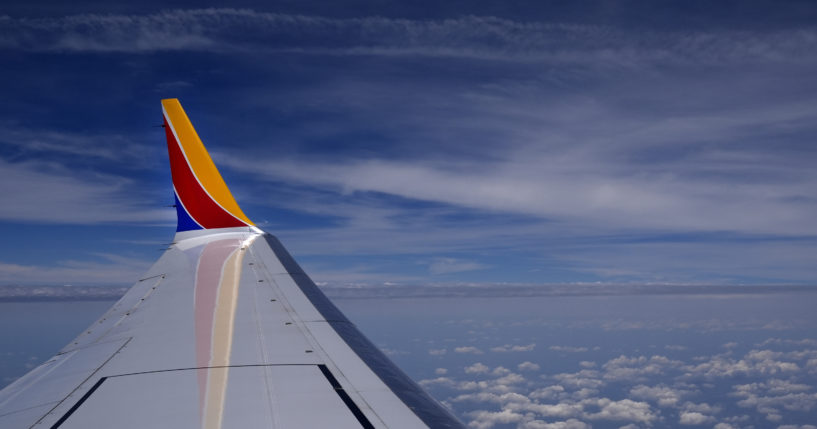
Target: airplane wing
column 224, row 331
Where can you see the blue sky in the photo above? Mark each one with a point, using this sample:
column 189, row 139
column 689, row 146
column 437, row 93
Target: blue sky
column 411, row 142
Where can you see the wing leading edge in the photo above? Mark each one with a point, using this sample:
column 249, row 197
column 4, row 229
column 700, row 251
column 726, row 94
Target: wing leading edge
column 225, row 330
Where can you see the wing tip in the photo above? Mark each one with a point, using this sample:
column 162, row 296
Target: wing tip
column 203, row 199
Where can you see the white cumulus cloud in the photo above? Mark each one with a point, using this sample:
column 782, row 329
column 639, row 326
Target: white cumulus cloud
column 513, row 348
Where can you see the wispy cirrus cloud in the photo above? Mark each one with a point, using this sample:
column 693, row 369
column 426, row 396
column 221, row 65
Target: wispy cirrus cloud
column 482, row 37
column 120, row 149
column 101, row 269
column 612, row 153
column 41, row 192
column 672, row 157
column 584, row 188
column 453, row 265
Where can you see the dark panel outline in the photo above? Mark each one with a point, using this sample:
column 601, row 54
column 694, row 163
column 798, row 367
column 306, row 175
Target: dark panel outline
column 431, row 412
column 83, row 381
column 350, row 404
column 250, row 365
column 79, row 403
column 347, row 400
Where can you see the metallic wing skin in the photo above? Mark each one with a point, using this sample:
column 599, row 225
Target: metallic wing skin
column 224, row 331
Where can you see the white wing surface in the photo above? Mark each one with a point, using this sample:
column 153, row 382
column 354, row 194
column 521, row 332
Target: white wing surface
column 224, row 331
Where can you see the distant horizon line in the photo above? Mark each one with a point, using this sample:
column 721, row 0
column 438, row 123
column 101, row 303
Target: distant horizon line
column 44, row 293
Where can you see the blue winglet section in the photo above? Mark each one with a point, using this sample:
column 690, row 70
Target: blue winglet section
column 185, row 222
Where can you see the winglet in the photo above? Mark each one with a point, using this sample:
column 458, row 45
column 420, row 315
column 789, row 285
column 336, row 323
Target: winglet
column 203, row 200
